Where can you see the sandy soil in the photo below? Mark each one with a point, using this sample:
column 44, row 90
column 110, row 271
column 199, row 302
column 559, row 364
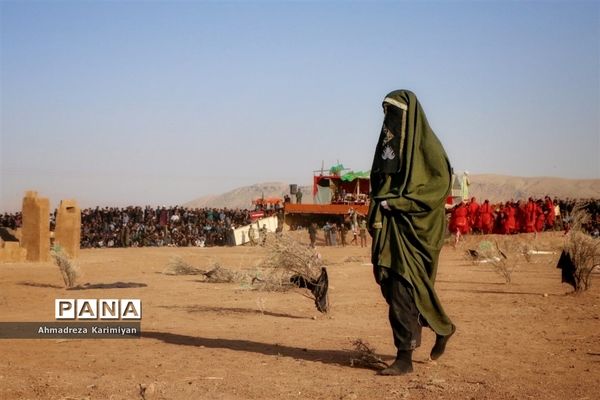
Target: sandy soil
column 527, row 339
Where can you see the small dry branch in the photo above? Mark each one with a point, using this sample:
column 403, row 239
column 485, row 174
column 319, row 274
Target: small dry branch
column 365, row 356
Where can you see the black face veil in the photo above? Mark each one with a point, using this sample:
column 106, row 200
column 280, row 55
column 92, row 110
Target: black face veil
column 388, row 154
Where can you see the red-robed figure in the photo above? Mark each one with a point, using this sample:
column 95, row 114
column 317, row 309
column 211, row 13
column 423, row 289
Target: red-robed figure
column 486, row 217
column 510, row 223
column 540, row 218
column 472, row 214
column 458, row 219
column 520, row 216
column 530, row 216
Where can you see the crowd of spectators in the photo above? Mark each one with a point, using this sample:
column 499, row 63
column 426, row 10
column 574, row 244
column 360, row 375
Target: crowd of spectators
column 148, row 226
column 11, row 221
column 533, row 215
column 162, row 226
column 181, row 227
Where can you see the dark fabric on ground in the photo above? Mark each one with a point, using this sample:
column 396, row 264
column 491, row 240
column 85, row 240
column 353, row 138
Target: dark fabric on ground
column 565, row 264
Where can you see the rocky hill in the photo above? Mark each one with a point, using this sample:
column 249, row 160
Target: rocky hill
column 502, row 188
column 492, row 187
column 242, row 197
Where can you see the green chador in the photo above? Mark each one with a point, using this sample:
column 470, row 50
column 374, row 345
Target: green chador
column 410, row 181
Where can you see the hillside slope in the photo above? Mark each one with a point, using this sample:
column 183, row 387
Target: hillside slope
column 484, row 186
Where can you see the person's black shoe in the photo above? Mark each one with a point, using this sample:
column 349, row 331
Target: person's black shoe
column 440, row 344
column 402, row 365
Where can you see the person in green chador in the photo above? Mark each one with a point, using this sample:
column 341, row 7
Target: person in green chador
column 410, row 181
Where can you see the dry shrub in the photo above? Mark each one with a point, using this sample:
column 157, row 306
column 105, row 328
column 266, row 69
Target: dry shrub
column 215, row 274
column 289, row 265
column 293, row 258
column 218, row 274
column 579, row 217
column 583, row 250
column 291, row 261
column 494, row 254
column 585, row 254
column 364, row 356
column 68, row 270
column 177, row 266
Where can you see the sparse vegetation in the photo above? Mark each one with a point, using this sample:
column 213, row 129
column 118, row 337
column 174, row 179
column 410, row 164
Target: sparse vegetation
column 68, row 270
column 299, row 264
column 178, row 266
column 497, row 255
column 292, row 258
column 582, row 250
column 218, row 274
column 289, row 265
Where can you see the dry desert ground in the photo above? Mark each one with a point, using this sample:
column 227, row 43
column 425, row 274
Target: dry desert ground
column 527, row 339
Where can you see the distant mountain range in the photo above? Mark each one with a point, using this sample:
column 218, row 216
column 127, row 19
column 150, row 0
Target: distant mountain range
column 502, row 188
column 242, row 197
column 493, row 187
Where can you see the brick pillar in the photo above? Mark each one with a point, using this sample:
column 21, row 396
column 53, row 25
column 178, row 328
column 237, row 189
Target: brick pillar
column 35, row 234
column 67, row 233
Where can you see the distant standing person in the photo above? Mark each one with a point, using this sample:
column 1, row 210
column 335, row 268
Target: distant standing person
column 354, row 236
column 326, row 229
column 464, row 186
column 410, row 181
column 252, row 235
column 343, row 231
column 312, row 234
column 299, row 196
column 363, row 232
column 262, row 233
column 333, row 234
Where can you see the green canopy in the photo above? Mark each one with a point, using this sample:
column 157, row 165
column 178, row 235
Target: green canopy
column 336, row 169
column 350, row 176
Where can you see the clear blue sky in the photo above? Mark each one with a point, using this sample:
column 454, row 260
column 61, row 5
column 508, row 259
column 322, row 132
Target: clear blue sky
column 117, row 103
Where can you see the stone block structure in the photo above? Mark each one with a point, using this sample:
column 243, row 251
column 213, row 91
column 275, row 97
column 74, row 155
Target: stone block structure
column 12, row 252
column 35, row 233
column 67, row 233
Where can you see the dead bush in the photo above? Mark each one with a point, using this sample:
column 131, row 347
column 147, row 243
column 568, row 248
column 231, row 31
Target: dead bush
column 496, row 255
column 296, row 263
column 218, row 274
column 364, row 356
column 178, row 266
column 68, row 269
column 584, row 254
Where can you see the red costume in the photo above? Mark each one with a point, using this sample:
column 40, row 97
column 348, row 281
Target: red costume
column 472, row 215
column 458, row 219
column 486, row 217
column 540, row 218
column 530, row 216
column 510, row 223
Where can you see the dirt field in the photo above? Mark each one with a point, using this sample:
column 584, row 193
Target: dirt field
column 527, row 339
